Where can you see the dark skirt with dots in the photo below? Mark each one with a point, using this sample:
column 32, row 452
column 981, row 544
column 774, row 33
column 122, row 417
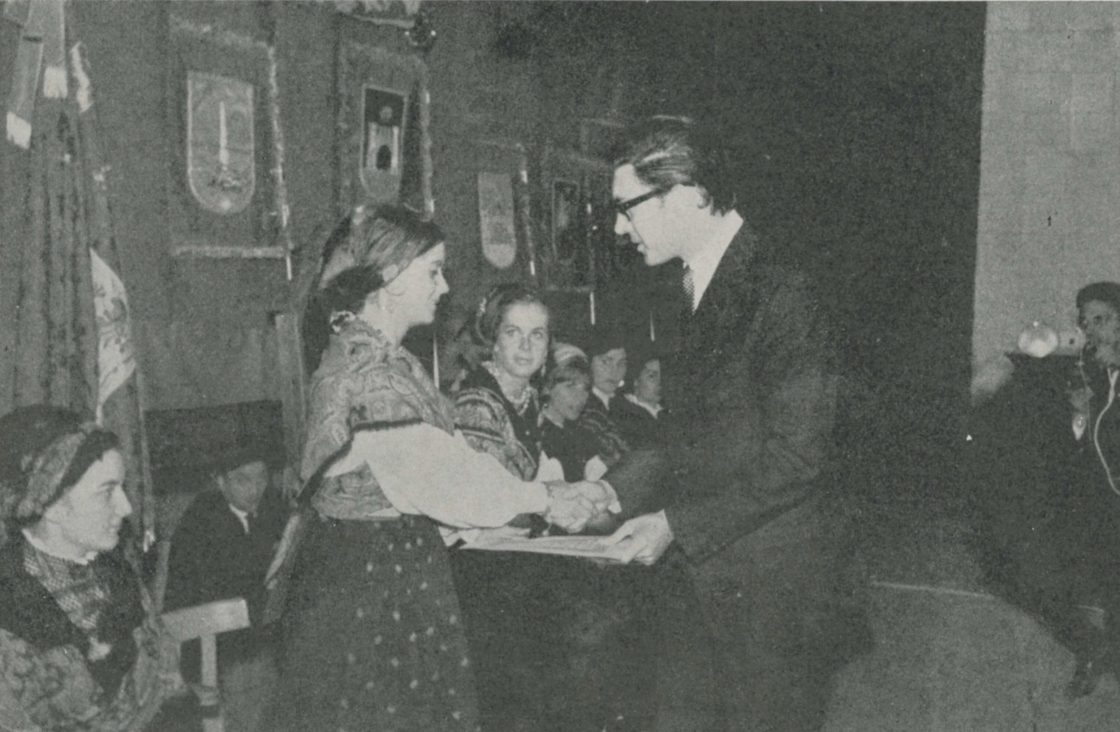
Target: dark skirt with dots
column 373, row 635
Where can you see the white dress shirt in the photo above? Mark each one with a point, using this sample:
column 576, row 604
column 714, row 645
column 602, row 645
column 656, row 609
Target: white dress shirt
column 707, row 258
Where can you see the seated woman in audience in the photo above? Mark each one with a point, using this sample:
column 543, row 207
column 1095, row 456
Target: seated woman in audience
column 374, row 634
column 548, row 630
column 567, row 387
column 606, row 352
column 507, row 598
column 637, row 412
column 81, row 647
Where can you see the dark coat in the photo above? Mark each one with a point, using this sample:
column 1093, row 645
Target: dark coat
column 212, row 558
column 742, row 470
column 638, row 427
column 754, row 404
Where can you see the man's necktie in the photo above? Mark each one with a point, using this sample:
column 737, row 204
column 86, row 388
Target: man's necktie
column 689, row 288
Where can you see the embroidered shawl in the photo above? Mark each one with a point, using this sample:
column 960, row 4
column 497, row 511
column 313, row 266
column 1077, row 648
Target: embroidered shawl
column 364, row 381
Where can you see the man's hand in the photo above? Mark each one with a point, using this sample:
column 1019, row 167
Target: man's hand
column 648, row 537
column 572, row 505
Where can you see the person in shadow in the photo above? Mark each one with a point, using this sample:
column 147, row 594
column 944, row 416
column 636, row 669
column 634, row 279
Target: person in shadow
column 221, row 549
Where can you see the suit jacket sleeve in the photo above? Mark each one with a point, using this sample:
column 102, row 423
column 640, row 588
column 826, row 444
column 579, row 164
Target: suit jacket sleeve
column 757, row 444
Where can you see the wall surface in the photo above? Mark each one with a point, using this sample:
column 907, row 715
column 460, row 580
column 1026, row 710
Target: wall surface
column 1049, row 218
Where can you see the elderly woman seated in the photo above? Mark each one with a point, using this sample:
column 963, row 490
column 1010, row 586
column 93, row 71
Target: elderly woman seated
column 80, row 645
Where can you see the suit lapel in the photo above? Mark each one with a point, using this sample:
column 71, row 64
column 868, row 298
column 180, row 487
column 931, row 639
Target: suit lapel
column 729, row 297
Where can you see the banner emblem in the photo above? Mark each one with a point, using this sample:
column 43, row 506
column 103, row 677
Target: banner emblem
column 221, row 157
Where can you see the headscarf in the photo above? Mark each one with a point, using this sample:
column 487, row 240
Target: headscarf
column 389, row 237
column 37, row 447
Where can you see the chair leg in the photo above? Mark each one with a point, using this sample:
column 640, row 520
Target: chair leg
column 211, row 706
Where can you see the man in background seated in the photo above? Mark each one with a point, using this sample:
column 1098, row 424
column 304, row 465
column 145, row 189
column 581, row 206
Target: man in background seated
column 221, row 549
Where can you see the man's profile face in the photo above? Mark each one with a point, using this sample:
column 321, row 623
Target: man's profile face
column 649, row 225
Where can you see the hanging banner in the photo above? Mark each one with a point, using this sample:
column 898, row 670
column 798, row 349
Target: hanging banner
column 495, row 216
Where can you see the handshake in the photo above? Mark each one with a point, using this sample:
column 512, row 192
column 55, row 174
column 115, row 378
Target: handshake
column 571, row 506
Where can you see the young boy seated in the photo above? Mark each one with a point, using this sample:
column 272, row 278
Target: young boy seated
column 221, row 549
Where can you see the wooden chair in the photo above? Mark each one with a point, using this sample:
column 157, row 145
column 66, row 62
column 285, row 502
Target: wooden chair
column 207, row 622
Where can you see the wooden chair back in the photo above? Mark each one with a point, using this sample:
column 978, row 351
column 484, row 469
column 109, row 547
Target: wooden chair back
column 207, row 622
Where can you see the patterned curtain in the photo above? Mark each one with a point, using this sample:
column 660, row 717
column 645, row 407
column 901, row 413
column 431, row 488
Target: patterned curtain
column 73, row 337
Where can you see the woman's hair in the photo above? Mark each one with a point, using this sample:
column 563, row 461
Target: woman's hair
column 488, row 318
column 573, row 369
column 366, row 251
column 44, row 451
column 600, row 339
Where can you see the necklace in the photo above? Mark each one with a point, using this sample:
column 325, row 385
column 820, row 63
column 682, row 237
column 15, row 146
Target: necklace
column 521, row 400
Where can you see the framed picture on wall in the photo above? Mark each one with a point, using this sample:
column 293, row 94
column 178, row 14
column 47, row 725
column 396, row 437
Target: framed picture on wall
column 567, row 177
column 505, row 228
column 567, row 229
column 384, row 148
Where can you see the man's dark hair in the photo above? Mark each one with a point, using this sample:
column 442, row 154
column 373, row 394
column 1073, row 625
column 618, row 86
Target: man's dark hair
column 669, row 151
column 1106, row 292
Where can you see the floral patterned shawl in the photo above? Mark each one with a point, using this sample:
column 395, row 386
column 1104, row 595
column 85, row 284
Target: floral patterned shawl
column 365, row 381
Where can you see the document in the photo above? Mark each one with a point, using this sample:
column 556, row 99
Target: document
column 591, row 547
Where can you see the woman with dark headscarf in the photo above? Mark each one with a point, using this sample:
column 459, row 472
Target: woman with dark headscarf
column 81, row 647
column 375, row 639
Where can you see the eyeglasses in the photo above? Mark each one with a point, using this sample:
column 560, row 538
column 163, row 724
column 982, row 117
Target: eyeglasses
column 622, row 208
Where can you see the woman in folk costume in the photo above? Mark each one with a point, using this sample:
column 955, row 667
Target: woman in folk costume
column 374, row 633
column 81, row 647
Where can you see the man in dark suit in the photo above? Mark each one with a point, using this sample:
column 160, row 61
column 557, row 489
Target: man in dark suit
column 221, row 549
column 751, row 433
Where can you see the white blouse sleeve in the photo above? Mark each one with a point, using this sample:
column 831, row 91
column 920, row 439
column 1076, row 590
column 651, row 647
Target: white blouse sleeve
column 423, row 470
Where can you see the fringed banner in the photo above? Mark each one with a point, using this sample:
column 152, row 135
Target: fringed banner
column 25, row 87
column 119, row 404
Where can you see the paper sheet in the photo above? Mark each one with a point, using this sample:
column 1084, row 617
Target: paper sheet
column 591, row 547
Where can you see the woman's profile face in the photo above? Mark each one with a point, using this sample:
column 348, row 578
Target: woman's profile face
column 521, row 345
column 608, row 370
column 567, row 398
column 416, row 292
column 1101, row 324
column 88, row 516
column 647, row 385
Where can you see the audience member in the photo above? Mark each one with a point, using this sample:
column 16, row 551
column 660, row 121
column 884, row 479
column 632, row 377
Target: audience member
column 1077, row 560
column 606, row 351
column 546, row 630
column 81, row 647
column 567, row 387
column 221, row 549
column 637, row 413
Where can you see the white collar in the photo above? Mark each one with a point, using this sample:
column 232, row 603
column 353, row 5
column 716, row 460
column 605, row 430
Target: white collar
column 242, row 516
column 707, row 257
column 654, row 410
column 606, row 400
